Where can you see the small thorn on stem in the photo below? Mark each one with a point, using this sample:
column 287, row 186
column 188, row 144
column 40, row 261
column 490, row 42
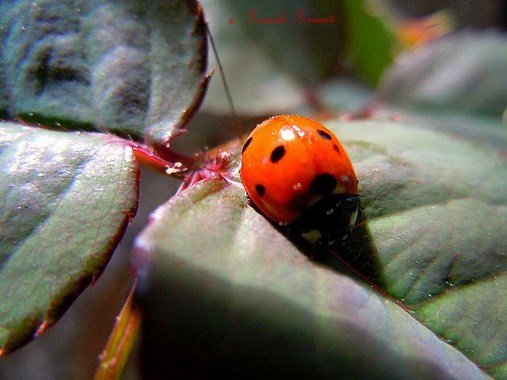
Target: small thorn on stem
column 42, row 327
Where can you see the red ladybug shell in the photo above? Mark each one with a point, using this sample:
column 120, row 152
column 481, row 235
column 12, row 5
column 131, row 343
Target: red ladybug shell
column 290, row 162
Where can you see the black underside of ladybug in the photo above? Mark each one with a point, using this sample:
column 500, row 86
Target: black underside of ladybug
column 327, row 221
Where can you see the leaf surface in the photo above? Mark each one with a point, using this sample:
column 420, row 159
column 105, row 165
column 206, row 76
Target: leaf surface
column 220, row 282
column 464, row 71
column 135, row 68
column 65, row 201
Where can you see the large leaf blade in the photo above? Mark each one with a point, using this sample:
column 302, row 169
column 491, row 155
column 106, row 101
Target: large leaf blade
column 434, row 232
column 135, row 68
column 65, row 201
column 239, row 294
column 436, row 222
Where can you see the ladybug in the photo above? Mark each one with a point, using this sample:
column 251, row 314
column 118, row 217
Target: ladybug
column 298, row 174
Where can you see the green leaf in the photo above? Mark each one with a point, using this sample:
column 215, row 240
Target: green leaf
column 223, row 290
column 464, row 71
column 65, row 201
column 136, row 68
column 371, row 43
column 438, row 224
column 440, row 228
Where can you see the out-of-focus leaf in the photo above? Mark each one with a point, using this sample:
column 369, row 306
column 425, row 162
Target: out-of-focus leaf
column 133, row 67
column 308, row 38
column 371, row 43
column 344, row 95
column 464, row 71
column 65, row 201
column 229, row 292
column 250, row 71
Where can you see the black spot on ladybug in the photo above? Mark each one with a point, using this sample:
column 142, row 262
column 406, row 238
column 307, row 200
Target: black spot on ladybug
column 260, row 189
column 277, row 154
column 323, row 184
column 336, row 148
column 247, row 142
column 324, row 135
